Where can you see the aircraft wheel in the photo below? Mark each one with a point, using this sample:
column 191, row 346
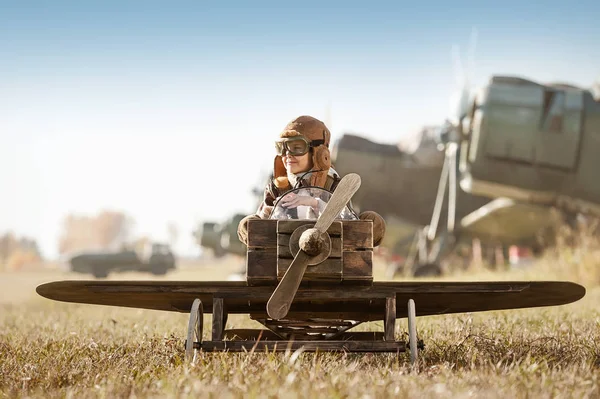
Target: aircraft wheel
column 219, row 251
column 158, row 269
column 194, row 331
column 412, row 332
column 99, row 272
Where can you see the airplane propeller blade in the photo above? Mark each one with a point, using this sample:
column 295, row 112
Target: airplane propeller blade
column 280, row 301
column 459, row 102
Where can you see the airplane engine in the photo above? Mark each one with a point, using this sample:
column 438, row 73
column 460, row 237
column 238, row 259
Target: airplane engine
column 533, row 143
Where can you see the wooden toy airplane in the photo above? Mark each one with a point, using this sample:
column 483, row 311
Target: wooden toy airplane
column 309, row 282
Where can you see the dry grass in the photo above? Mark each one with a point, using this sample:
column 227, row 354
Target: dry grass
column 53, row 349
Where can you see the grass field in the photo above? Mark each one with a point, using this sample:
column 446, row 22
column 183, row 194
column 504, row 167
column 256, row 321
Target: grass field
column 53, row 349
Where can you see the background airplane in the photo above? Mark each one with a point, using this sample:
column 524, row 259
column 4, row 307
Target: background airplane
column 516, row 153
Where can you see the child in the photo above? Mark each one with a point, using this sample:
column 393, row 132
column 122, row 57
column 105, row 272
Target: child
column 303, row 160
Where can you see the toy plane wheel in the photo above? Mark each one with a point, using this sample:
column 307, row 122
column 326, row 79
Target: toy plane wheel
column 194, row 331
column 412, row 331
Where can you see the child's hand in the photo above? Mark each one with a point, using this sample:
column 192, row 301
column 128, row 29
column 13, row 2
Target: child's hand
column 293, row 200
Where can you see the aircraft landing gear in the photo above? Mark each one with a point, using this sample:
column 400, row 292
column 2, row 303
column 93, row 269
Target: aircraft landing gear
column 429, row 246
column 428, row 269
column 425, row 256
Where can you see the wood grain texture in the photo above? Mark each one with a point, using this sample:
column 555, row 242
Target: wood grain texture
column 261, row 265
column 282, row 298
column 262, row 233
column 390, row 318
column 363, row 303
column 358, row 264
column 218, row 319
column 358, row 234
column 284, row 251
column 342, row 194
column 328, row 269
column 283, row 295
column 269, row 246
column 312, row 241
column 288, row 226
column 308, row 346
column 298, row 239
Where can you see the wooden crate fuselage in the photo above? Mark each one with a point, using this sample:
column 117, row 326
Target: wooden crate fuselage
column 269, row 254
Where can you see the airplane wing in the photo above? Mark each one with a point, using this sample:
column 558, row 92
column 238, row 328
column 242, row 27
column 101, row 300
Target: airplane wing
column 365, row 303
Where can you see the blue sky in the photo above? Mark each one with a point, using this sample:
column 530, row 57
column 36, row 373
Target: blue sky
column 102, row 101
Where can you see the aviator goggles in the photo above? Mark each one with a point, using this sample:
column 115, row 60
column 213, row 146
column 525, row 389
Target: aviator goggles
column 297, row 145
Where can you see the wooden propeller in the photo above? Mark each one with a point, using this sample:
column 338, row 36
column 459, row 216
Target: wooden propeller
column 311, row 244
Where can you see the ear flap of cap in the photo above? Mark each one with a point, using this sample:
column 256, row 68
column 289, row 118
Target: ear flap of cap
column 322, row 162
column 321, row 158
column 280, row 173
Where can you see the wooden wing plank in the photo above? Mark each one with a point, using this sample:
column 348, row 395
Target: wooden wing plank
column 431, row 298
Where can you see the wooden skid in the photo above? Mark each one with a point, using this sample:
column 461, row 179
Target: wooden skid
column 309, row 346
column 267, row 335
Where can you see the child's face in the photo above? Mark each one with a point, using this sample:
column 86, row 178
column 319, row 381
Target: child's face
column 297, row 163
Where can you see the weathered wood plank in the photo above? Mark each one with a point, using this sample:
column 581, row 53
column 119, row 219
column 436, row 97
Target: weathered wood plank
column 299, row 315
column 288, row 226
column 357, row 264
column 313, row 322
column 360, row 336
column 328, row 268
column 250, row 334
column 268, row 335
column 390, row 318
column 218, row 317
column 283, row 247
column 308, row 346
column 358, row 234
column 261, row 265
column 358, row 302
column 353, row 281
column 307, row 330
column 284, row 239
column 262, row 233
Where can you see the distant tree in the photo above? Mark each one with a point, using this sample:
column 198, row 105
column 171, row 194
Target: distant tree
column 109, row 230
column 8, row 244
column 113, row 229
column 29, row 245
column 77, row 234
column 17, row 252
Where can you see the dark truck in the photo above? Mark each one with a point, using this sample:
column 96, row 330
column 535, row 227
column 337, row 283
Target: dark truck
column 158, row 259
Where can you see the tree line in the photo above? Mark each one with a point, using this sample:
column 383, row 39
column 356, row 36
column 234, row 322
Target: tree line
column 108, row 230
column 16, row 252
